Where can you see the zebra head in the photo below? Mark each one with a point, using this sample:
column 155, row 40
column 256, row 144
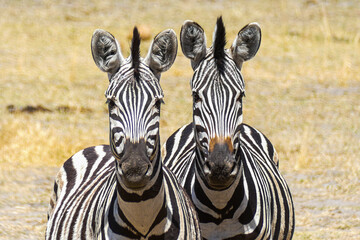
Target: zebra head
column 218, row 88
column 134, row 97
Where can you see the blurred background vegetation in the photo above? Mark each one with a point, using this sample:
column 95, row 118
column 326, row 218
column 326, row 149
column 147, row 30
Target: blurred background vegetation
column 302, row 92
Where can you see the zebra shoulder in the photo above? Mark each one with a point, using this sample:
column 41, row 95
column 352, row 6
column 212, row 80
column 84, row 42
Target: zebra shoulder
column 74, row 170
column 255, row 139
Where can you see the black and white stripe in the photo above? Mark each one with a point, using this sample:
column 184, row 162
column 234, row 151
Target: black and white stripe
column 229, row 169
column 121, row 190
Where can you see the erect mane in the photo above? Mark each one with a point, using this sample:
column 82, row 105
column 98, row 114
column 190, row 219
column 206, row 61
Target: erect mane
column 135, row 52
column 219, row 43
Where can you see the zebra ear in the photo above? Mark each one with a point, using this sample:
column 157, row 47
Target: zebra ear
column 106, row 52
column 193, row 42
column 246, row 44
column 162, row 52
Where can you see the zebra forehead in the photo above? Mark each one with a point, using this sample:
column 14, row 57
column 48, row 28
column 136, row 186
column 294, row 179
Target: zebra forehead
column 136, row 87
column 208, row 72
column 124, row 80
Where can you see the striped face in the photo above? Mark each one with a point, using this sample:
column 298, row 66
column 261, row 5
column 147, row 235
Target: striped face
column 134, row 108
column 217, row 115
column 134, row 97
column 218, row 88
column 217, row 102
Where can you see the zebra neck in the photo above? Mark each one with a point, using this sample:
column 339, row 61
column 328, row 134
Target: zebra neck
column 139, row 209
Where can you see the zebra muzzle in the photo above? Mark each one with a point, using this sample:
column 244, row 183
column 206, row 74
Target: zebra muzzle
column 135, row 168
column 220, row 168
column 135, row 175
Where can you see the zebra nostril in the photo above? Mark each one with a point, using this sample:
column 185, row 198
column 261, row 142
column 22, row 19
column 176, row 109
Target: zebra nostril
column 120, row 169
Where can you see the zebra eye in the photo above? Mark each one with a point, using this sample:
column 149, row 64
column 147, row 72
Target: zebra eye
column 196, row 97
column 242, row 94
column 158, row 103
column 110, row 102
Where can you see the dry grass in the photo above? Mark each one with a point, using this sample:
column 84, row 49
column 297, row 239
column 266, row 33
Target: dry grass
column 303, row 91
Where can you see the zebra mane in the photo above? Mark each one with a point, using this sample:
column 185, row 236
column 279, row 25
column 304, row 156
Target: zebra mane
column 219, row 43
column 135, row 52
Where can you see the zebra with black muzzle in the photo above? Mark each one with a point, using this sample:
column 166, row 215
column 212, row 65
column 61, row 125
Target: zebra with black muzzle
column 122, row 190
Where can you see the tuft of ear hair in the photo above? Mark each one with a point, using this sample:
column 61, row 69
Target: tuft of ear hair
column 193, row 42
column 162, row 52
column 106, row 52
column 246, row 44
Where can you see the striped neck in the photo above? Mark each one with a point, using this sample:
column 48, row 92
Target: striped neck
column 140, row 208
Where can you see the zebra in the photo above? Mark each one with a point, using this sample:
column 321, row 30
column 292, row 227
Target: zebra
column 229, row 169
column 122, row 190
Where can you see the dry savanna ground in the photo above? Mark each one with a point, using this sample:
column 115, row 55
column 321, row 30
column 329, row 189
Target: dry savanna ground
column 302, row 91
